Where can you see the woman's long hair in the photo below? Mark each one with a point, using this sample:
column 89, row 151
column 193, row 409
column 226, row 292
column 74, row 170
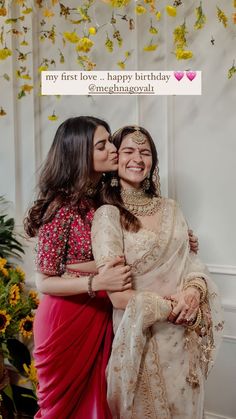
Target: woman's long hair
column 112, row 195
column 67, row 170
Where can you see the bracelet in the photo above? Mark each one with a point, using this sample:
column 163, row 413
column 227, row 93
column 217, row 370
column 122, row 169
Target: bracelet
column 197, row 283
column 91, row 293
column 197, row 321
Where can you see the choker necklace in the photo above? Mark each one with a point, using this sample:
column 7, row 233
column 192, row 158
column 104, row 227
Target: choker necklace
column 139, row 203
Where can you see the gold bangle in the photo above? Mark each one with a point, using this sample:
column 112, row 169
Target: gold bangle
column 91, row 293
column 197, row 321
column 199, row 285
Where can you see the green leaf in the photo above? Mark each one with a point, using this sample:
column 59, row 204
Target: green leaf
column 8, row 391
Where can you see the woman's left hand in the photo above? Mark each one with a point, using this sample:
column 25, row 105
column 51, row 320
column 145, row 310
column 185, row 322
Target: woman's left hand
column 193, row 241
column 186, row 305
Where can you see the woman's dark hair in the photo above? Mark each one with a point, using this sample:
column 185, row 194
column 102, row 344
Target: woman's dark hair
column 67, row 170
column 112, row 195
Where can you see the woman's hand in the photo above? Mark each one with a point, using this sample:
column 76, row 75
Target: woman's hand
column 193, row 241
column 186, row 306
column 114, row 276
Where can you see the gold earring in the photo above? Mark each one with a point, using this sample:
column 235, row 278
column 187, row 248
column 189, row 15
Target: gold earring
column 114, row 182
column 146, row 184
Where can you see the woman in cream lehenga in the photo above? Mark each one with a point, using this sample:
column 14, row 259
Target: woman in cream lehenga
column 168, row 328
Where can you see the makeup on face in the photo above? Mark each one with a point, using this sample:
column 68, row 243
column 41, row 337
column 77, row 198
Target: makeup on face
column 135, row 161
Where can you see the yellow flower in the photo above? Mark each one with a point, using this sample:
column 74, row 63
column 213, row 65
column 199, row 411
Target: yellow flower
column 18, row 269
column 2, row 112
column 171, row 11
column 53, row 117
column 31, row 373
column 27, row 11
column 158, row 15
column 140, row 10
column 62, row 58
column 5, row 53
column 27, row 88
column 183, row 54
column 109, row 44
column 180, row 36
column 121, row 64
column 222, row 17
column 127, row 54
column 22, row 76
column 24, row 43
column 26, row 326
column 3, row 11
column 201, row 18
column 71, row 37
column 14, row 295
column 86, row 63
column 153, row 30
column 34, row 297
column 117, row 3
column 48, row 13
column 92, row 30
column 231, row 71
column 4, row 320
column 150, row 47
column 43, row 68
column 84, row 44
column 2, row 262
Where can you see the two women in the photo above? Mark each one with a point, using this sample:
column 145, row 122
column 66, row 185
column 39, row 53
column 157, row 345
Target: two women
column 73, row 324
column 73, row 331
column 167, row 327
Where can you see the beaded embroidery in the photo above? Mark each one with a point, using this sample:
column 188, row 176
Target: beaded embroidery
column 66, row 239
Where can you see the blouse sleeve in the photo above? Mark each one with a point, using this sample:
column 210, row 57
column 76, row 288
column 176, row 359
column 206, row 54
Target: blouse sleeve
column 107, row 236
column 53, row 242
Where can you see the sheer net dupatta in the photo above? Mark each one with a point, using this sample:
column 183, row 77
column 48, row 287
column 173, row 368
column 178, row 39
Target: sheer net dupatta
column 132, row 344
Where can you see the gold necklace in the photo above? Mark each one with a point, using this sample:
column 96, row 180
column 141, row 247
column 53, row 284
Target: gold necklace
column 139, row 203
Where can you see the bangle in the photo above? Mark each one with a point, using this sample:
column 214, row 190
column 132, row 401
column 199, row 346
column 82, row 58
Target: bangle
column 200, row 284
column 91, row 293
column 197, row 321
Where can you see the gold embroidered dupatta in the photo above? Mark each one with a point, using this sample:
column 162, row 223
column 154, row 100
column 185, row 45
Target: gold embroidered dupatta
column 156, row 369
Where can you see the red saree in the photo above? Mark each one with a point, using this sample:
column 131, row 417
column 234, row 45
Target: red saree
column 73, row 337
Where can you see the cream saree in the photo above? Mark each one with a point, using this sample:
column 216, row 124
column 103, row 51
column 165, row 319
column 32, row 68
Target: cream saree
column 156, row 369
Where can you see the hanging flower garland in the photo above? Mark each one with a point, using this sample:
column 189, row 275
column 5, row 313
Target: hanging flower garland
column 79, row 38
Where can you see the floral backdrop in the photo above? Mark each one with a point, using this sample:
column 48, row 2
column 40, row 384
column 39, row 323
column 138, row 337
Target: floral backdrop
column 72, row 35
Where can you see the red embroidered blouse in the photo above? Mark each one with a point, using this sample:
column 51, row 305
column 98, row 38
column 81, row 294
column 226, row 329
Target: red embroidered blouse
column 65, row 239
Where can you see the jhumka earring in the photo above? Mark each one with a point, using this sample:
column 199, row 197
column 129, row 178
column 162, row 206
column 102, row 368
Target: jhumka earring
column 114, row 182
column 146, row 184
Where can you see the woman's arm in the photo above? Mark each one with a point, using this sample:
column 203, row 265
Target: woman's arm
column 113, row 277
column 107, row 242
column 120, row 299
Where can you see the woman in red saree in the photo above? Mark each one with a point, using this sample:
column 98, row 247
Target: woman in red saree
column 73, row 330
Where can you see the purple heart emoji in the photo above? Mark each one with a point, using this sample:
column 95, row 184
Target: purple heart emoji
column 179, row 75
column 191, row 75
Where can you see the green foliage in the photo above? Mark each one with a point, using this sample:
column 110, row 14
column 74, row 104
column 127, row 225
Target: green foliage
column 9, row 245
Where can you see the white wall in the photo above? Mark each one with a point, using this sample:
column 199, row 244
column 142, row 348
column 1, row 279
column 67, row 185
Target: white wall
column 195, row 137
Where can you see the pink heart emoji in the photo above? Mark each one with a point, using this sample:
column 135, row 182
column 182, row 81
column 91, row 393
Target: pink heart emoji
column 191, row 75
column 179, row 75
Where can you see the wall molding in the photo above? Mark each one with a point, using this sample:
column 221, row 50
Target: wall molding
column 222, row 269
column 231, row 308
column 210, row 415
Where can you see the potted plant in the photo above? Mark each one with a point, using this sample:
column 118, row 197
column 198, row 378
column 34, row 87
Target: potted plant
column 17, row 307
